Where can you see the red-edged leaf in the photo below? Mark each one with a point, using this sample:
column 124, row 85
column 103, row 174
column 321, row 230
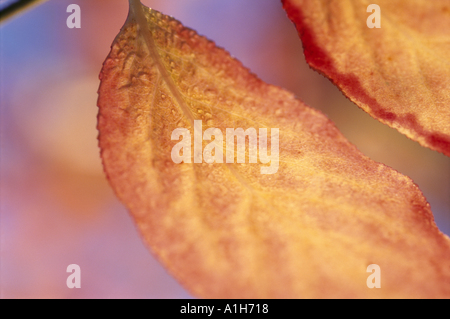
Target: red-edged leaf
column 398, row 73
column 310, row 229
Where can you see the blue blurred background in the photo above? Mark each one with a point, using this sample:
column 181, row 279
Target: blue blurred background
column 56, row 206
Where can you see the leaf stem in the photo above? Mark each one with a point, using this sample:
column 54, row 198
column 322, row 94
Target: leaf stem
column 137, row 12
column 17, row 7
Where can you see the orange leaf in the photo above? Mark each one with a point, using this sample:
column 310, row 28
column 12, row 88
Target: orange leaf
column 398, row 73
column 309, row 229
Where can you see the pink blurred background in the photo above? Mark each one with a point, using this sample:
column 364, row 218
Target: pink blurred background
column 56, row 205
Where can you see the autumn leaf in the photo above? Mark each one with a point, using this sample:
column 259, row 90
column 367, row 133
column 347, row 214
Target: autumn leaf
column 305, row 224
column 398, row 73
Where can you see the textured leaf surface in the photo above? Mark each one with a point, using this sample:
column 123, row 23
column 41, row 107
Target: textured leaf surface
column 399, row 73
column 226, row 230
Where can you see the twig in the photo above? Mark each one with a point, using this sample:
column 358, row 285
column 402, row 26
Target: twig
column 16, row 8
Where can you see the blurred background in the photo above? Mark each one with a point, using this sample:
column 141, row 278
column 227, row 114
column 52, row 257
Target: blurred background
column 56, row 205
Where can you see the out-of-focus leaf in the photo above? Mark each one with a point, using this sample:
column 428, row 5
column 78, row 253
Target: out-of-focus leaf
column 226, row 230
column 399, row 73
